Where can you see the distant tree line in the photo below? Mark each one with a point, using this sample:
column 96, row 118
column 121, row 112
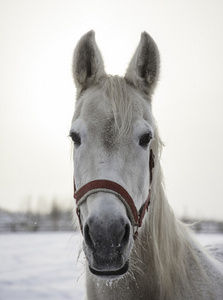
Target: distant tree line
column 57, row 219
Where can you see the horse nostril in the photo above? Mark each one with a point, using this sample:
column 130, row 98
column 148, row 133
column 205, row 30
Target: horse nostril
column 87, row 236
column 126, row 236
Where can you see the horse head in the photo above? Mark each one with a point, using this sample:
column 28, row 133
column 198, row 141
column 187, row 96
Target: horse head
column 113, row 135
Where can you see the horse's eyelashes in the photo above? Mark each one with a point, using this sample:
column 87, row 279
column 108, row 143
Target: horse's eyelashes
column 145, row 139
column 75, row 138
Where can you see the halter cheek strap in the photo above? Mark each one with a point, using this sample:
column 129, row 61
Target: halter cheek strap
column 107, row 186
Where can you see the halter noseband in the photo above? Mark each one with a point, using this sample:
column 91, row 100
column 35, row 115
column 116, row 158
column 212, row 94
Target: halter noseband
column 112, row 187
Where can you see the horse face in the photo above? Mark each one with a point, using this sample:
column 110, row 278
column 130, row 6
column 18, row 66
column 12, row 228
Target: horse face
column 112, row 131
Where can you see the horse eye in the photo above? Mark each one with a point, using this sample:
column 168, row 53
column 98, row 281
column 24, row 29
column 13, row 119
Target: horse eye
column 145, row 139
column 75, row 138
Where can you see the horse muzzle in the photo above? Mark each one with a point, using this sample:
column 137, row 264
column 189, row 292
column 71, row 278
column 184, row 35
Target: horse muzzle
column 107, row 245
column 108, row 237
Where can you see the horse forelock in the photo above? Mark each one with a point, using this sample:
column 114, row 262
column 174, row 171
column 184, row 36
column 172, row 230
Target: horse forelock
column 117, row 93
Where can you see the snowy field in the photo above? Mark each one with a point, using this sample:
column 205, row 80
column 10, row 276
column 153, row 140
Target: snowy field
column 40, row 266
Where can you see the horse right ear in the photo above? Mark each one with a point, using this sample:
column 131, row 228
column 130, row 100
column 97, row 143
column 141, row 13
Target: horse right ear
column 143, row 70
column 88, row 66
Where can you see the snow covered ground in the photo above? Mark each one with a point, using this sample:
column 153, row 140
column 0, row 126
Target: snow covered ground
column 40, row 266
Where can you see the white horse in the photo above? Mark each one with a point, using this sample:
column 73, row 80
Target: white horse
column 135, row 247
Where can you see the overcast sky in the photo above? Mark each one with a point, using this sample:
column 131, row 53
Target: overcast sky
column 37, row 94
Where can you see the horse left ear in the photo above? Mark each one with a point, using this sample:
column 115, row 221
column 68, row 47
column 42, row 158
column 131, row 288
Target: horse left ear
column 143, row 70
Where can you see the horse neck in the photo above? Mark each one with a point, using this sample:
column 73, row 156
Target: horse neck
column 166, row 246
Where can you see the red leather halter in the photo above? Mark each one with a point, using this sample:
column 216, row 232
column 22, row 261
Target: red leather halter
column 112, row 187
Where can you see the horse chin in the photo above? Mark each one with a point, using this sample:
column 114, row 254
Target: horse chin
column 111, row 275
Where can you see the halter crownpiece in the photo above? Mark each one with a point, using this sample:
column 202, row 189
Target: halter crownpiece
column 112, row 187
